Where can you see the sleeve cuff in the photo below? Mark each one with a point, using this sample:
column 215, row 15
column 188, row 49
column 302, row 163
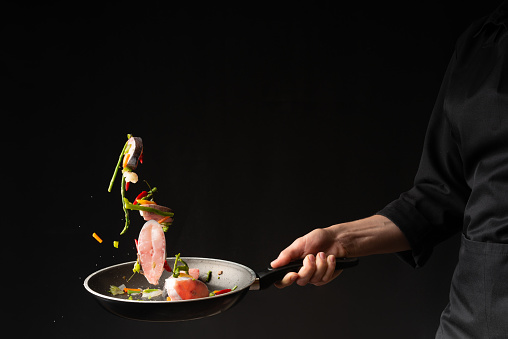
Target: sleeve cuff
column 414, row 227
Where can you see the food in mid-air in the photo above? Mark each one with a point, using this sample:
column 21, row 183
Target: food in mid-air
column 152, row 251
column 184, row 283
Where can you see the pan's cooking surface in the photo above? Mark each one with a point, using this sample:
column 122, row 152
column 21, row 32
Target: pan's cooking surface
column 232, row 274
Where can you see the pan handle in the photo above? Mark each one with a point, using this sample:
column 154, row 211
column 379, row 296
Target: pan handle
column 269, row 276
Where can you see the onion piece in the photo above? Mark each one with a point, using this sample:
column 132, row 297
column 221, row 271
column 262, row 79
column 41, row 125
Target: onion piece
column 150, row 293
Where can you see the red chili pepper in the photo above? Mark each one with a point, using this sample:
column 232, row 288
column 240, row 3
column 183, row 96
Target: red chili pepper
column 136, row 242
column 166, row 266
column 141, row 158
column 223, row 291
column 140, row 195
column 127, row 184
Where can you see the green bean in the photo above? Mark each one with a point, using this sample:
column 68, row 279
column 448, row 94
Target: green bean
column 124, row 202
column 118, row 164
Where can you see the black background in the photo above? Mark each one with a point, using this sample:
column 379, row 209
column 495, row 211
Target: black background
column 260, row 122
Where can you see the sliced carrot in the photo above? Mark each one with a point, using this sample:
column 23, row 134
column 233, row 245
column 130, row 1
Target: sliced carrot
column 126, row 290
column 126, row 159
column 168, row 299
column 97, row 237
column 145, row 202
column 163, row 219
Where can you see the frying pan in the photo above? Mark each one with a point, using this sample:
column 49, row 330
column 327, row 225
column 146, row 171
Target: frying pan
column 232, row 274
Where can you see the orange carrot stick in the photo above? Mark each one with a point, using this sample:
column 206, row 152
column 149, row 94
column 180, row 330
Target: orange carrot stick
column 126, row 159
column 97, row 237
column 163, row 219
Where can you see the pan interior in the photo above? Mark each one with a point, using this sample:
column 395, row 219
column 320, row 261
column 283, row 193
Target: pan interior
column 224, row 274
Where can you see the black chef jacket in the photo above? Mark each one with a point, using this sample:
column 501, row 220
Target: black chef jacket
column 462, row 183
column 462, row 180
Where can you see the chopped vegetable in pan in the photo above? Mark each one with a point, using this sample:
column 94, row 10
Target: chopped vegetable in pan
column 184, row 286
column 116, row 290
column 179, row 268
column 208, row 276
column 151, row 293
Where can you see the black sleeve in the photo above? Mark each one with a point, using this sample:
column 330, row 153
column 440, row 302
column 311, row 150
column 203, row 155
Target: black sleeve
column 433, row 209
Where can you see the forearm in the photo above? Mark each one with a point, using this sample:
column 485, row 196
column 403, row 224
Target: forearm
column 372, row 235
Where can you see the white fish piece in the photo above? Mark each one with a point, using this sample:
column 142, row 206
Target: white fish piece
column 185, row 288
column 152, row 251
column 130, row 176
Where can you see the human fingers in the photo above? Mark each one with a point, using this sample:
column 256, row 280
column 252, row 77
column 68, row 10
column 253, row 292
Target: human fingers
column 307, row 271
column 330, row 273
column 288, row 280
column 321, row 268
column 290, row 253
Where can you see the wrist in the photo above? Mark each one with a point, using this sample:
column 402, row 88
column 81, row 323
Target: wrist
column 373, row 235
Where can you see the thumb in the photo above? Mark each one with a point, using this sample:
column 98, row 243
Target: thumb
column 294, row 251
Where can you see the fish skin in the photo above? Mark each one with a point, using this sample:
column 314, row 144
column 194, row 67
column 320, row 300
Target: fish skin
column 155, row 216
column 135, row 151
column 185, row 288
column 194, row 272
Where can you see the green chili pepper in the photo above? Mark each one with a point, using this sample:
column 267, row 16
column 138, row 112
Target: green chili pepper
column 208, row 276
column 151, row 192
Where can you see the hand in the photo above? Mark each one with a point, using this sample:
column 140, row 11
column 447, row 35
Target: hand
column 319, row 248
column 373, row 235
